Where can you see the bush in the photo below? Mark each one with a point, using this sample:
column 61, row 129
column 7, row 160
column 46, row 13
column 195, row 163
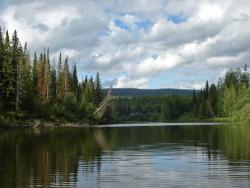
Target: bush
column 8, row 119
column 90, row 109
column 70, row 103
column 56, row 110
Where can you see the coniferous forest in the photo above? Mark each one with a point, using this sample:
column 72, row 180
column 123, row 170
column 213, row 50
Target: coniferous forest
column 228, row 100
column 34, row 88
column 38, row 89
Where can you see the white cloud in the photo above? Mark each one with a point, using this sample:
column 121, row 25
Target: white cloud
column 70, row 53
column 188, row 85
column 161, row 35
column 209, row 11
column 151, row 66
column 126, row 82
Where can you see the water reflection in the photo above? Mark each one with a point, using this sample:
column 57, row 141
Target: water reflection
column 188, row 156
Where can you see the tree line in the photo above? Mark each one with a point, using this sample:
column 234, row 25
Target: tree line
column 228, row 99
column 38, row 88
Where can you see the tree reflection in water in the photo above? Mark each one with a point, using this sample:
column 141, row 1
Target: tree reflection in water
column 50, row 157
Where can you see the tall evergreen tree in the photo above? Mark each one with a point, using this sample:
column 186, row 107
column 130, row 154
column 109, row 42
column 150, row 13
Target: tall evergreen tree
column 48, row 75
column 53, row 84
column 60, row 79
column 75, row 81
column 9, row 74
column 1, row 69
column 244, row 77
column 41, row 84
column 66, row 77
column 25, row 82
column 98, row 90
column 35, row 73
column 15, row 61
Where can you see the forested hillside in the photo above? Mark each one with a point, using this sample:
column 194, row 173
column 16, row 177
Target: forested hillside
column 134, row 92
column 37, row 88
column 228, row 100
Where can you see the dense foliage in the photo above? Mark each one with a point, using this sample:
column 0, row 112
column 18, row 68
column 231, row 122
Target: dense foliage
column 37, row 89
column 230, row 99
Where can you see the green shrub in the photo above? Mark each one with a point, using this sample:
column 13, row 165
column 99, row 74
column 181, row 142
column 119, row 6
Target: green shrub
column 56, row 110
column 71, row 104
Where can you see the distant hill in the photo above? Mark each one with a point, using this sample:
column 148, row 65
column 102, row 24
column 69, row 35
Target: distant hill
column 127, row 92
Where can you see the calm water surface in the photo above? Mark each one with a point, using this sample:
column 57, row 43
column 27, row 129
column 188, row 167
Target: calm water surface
column 140, row 156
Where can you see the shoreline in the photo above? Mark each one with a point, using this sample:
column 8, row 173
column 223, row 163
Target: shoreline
column 39, row 124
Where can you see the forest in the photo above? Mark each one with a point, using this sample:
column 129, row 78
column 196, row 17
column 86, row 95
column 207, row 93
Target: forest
column 38, row 89
column 228, row 100
column 34, row 88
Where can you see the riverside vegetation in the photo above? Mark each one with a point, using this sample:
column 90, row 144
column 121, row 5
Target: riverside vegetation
column 36, row 89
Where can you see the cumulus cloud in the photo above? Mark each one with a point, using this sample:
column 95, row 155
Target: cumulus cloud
column 187, row 85
column 152, row 66
column 127, row 82
column 140, row 39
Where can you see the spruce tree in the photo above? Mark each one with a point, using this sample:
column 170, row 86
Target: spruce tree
column 53, row 84
column 48, row 75
column 60, row 79
column 66, row 77
column 35, row 73
column 98, row 95
column 41, row 84
column 25, row 82
column 1, row 69
column 75, row 81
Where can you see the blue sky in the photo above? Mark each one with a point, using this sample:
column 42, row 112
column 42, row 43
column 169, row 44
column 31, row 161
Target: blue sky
column 140, row 44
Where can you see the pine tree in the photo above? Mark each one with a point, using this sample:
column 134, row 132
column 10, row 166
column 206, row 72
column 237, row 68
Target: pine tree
column 7, row 88
column 83, row 89
column 35, row 74
column 206, row 90
column 1, row 69
column 16, row 55
column 91, row 90
column 86, row 96
column 35, row 70
column 25, row 82
column 41, row 84
column 244, row 77
column 60, row 79
column 66, row 76
column 213, row 96
column 98, row 95
column 53, row 84
column 48, row 75
column 75, row 81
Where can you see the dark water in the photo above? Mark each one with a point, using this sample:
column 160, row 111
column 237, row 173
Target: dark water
column 172, row 156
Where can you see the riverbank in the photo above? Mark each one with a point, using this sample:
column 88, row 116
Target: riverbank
column 39, row 124
column 11, row 122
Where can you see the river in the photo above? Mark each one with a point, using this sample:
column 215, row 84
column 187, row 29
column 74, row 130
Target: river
column 143, row 155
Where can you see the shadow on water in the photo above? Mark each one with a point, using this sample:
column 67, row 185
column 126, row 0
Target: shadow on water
column 86, row 156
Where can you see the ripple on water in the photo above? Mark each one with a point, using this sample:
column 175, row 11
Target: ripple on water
column 143, row 156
